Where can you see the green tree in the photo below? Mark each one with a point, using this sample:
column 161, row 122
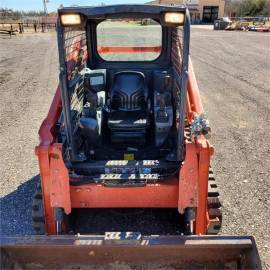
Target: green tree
column 248, row 8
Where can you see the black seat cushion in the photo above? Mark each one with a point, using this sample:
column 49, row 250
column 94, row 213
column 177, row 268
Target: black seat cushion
column 129, row 91
column 128, row 120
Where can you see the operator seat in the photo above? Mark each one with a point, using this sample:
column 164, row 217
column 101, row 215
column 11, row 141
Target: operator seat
column 129, row 116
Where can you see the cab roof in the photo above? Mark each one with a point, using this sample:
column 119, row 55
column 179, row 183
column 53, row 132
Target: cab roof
column 101, row 12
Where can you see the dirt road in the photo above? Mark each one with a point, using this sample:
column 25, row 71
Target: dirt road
column 232, row 69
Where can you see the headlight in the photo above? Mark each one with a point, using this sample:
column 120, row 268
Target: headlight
column 70, row 19
column 174, row 18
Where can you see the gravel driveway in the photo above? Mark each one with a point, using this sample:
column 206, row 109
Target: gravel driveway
column 232, row 70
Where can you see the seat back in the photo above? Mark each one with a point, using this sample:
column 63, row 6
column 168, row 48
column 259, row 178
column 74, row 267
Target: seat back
column 129, row 91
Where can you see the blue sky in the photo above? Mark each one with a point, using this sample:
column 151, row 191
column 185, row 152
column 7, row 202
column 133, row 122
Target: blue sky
column 54, row 4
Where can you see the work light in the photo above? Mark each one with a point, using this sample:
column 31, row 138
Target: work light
column 70, row 19
column 176, row 18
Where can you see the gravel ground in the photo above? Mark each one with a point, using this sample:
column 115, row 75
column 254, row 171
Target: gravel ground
column 28, row 79
column 232, row 70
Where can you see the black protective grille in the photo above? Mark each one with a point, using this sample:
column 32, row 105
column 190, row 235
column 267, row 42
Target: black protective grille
column 75, row 48
column 177, row 49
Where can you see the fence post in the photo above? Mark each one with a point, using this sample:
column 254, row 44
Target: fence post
column 20, row 28
column 11, row 30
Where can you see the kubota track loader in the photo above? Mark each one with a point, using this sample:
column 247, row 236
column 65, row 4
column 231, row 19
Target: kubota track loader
column 126, row 130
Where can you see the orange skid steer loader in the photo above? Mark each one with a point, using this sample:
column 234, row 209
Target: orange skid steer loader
column 124, row 154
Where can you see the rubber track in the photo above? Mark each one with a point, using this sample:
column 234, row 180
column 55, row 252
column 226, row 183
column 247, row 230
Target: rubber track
column 214, row 205
column 38, row 219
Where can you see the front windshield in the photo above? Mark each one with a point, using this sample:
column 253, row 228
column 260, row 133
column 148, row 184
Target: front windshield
column 129, row 40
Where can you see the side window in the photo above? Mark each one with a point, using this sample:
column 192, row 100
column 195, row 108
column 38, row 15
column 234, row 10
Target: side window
column 129, row 40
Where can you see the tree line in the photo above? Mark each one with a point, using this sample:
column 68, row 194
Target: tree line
column 248, row 8
column 6, row 13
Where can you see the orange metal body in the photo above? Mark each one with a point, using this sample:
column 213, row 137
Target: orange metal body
column 128, row 49
column 188, row 190
column 159, row 195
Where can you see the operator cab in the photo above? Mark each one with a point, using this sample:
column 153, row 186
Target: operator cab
column 124, row 77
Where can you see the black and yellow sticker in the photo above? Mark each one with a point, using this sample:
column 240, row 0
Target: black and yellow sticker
column 128, row 156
